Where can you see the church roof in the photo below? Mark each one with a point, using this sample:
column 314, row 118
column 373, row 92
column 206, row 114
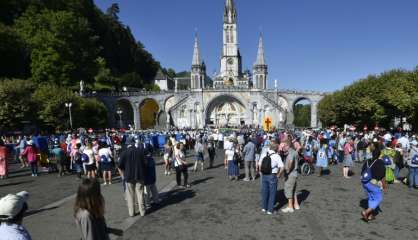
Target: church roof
column 260, row 53
column 160, row 75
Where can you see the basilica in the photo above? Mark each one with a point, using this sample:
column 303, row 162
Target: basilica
column 232, row 99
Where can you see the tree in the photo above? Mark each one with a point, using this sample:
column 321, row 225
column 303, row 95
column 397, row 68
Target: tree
column 377, row 99
column 14, row 60
column 62, row 47
column 16, row 106
column 302, row 115
column 113, row 11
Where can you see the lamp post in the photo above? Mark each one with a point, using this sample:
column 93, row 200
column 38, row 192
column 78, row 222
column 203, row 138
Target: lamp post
column 119, row 112
column 69, row 105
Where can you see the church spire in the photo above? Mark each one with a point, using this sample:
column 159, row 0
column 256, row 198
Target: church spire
column 260, row 67
column 260, row 53
column 230, row 14
column 196, row 52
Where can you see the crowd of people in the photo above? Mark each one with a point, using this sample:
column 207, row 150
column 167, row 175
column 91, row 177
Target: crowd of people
column 268, row 155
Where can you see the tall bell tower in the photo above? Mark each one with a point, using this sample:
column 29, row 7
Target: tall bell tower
column 231, row 65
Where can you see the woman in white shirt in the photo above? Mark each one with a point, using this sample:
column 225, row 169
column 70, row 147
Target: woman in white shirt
column 105, row 155
column 91, row 163
column 231, row 162
column 180, row 165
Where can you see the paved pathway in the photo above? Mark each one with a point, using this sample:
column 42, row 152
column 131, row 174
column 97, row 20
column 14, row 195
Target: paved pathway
column 215, row 208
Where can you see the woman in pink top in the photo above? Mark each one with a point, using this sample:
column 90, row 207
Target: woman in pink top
column 348, row 161
column 30, row 152
column 3, row 160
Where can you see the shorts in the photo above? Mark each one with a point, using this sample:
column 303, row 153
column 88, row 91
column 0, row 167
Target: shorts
column 290, row 187
column 91, row 167
column 106, row 166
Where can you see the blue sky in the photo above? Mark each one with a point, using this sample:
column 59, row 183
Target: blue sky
column 310, row 44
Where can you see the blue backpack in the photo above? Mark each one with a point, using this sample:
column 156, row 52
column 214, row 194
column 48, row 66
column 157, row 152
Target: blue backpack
column 414, row 159
column 84, row 158
column 366, row 175
column 104, row 159
column 386, row 159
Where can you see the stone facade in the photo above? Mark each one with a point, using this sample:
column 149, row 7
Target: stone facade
column 196, row 108
column 234, row 99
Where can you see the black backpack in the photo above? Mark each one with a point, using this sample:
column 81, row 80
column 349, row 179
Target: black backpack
column 266, row 165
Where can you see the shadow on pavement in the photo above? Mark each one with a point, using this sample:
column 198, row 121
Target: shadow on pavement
column 32, row 212
column 115, row 231
column 303, row 195
column 281, row 199
column 172, row 197
column 15, row 183
column 198, row 181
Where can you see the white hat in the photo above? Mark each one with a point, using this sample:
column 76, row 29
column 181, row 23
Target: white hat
column 12, row 204
column 30, row 142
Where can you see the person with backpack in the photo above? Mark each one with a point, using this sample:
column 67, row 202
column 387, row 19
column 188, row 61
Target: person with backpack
column 78, row 163
column 321, row 157
column 88, row 159
column 373, row 181
column 271, row 168
column 388, row 155
column 105, row 155
column 413, row 164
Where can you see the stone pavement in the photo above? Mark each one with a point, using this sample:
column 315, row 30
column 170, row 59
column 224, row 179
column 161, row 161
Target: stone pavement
column 215, row 208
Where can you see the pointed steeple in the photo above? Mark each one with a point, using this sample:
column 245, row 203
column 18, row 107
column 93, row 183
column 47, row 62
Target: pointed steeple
column 196, row 52
column 229, row 4
column 260, row 53
column 230, row 14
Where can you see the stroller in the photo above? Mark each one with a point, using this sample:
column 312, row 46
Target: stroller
column 307, row 161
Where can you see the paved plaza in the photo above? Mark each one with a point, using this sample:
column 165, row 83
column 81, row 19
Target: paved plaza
column 216, row 208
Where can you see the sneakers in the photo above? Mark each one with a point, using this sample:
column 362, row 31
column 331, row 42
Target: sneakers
column 263, row 210
column 297, row 207
column 166, row 172
column 288, row 210
column 246, row 179
column 269, row 213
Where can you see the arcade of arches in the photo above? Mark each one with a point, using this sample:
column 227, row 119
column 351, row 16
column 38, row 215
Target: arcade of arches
column 302, row 113
column 225, row 111
column 148, row 111
column 124, row 115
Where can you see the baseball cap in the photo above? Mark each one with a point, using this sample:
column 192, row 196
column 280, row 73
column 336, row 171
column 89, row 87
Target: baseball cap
column 12, row 204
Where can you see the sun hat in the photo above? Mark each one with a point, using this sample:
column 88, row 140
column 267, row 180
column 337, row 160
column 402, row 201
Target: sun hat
column 12, row 204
